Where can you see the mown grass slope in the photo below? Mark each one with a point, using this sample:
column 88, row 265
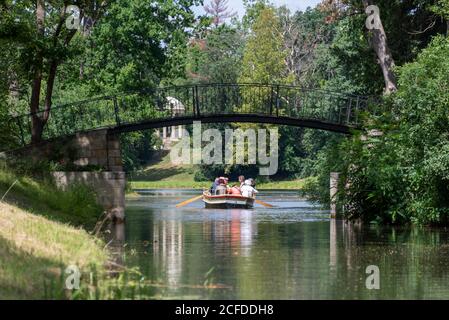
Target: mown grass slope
column 35, row 251
column 42, row 231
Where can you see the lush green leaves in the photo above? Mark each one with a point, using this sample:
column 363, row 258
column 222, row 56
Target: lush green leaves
column 403, row 174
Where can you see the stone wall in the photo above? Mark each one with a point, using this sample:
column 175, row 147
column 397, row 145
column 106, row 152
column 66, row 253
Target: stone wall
column 95, row 148
column 98, row 148
column 98, row 164
column 109, row 187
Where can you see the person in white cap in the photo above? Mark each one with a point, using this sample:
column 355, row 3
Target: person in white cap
column 247, row 189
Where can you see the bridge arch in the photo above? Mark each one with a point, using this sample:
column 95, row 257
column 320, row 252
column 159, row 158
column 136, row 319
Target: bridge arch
column 208, row 103
column 232, row 118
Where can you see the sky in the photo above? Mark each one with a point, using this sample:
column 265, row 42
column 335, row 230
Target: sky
column 294, row 5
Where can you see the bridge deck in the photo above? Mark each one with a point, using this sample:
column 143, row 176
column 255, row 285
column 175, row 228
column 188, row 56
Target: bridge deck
column 209, row 103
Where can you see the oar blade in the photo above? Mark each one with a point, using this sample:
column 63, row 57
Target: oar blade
column 184, row 203
column 264, row 204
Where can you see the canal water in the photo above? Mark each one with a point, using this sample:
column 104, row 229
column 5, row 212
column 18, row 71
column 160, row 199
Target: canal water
column 292, row 251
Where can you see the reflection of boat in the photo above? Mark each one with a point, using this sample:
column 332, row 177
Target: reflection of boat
column 227, row 201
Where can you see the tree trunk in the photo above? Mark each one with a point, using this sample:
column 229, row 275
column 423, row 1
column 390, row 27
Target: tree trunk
column 380, row 46
column 37, row 128
column 36, row 123
column 49, row 91
column 39, row 117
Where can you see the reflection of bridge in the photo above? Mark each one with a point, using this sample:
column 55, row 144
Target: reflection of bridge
column 209, row 103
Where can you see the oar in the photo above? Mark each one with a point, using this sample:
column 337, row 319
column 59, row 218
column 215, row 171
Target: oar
column 264, row 204
column 182, row 204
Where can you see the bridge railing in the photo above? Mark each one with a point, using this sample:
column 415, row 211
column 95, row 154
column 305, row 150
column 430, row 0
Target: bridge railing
column 198, row 101
column 68, row 118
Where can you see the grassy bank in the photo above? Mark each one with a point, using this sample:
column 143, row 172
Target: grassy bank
column 42, row 231
column 162, row 174
column 35, row 251
column 191, row 184
column 76, row 206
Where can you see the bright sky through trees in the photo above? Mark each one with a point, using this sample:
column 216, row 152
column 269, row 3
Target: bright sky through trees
column 237, row 5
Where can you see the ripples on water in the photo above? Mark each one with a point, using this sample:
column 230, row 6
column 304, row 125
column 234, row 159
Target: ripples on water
column 292, row 251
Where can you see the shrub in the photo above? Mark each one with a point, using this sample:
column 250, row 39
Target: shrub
column 403, row 175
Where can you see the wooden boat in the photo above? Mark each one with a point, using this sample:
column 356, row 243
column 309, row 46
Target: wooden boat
column 227, row 201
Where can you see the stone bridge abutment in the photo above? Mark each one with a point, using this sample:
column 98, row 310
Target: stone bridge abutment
column 91, row 158
column 98, row 151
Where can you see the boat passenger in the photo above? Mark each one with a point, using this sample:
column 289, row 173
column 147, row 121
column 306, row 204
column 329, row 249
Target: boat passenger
column 247, row 189
column 235, row 191
column 214, row 186
column 253, row 182
column 221, row 188
column 228, row 187
column 241, row 180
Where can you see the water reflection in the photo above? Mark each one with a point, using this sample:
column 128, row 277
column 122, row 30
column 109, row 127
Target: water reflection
column 116, row 243
column 289, row 252
column 333, row 244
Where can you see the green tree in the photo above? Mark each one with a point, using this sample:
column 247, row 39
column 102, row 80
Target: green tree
column 401, row 176
column 217, row 58
column 252, row 11
column 406, row 28
column 133, row 47
column 441, row 8
column 43, row 44
column 264, row 55
column 346, row 65
column 119, row 45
